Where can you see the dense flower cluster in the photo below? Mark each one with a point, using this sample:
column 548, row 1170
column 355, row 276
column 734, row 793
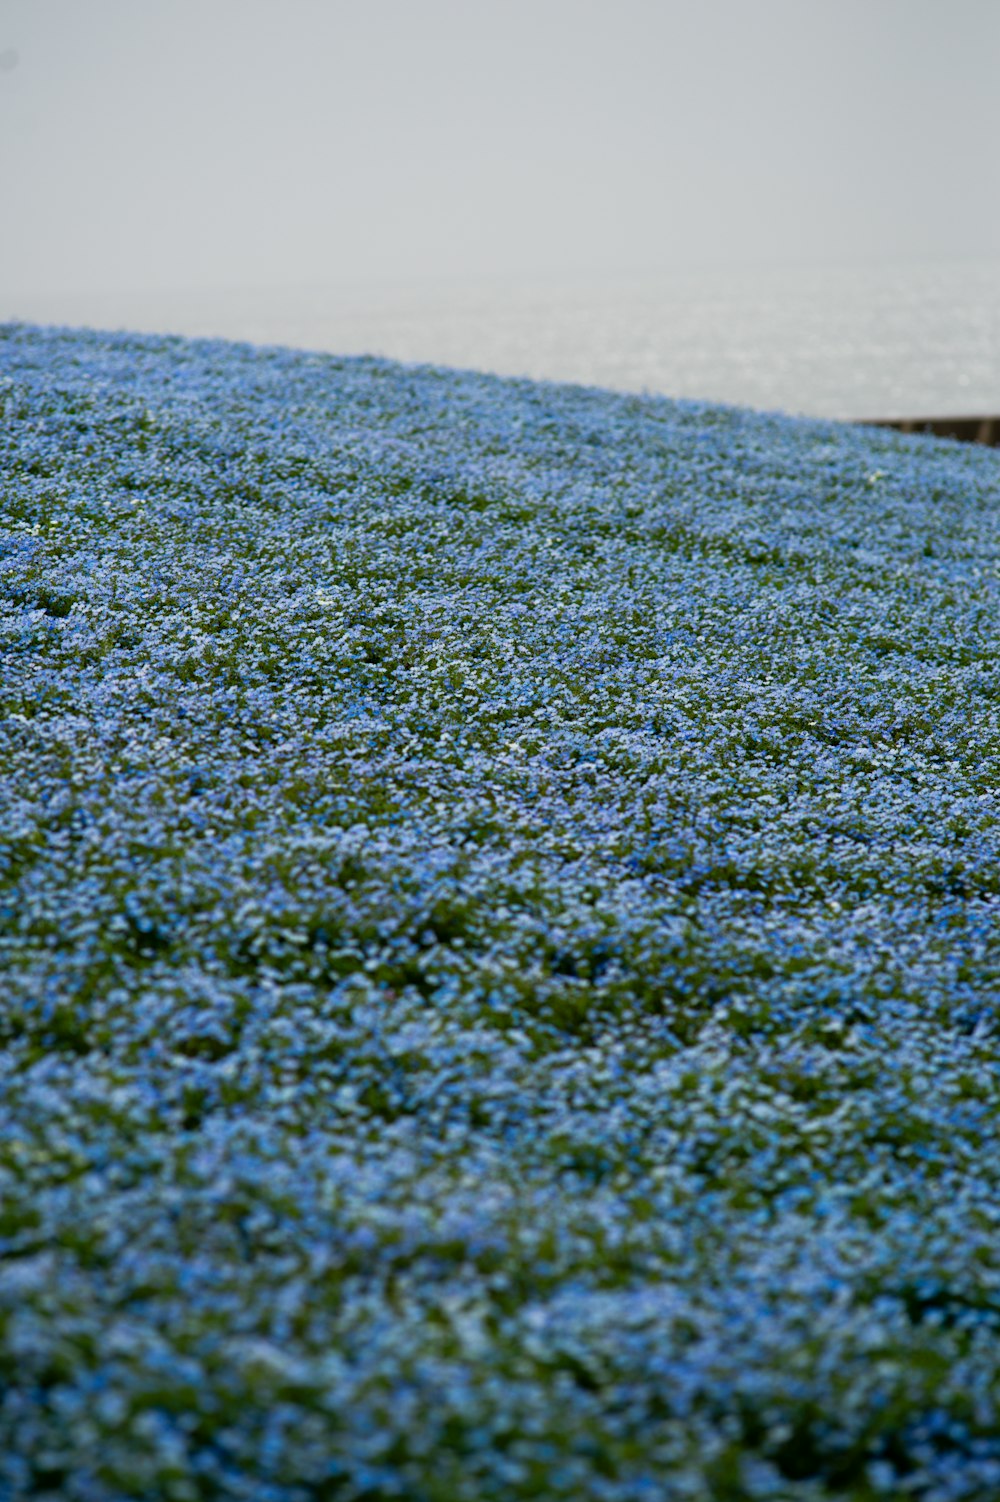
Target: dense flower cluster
column 498, row 934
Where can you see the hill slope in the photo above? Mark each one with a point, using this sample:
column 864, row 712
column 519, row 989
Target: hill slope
column 498, row 891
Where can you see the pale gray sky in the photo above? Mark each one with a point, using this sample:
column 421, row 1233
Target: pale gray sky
column 213, row 143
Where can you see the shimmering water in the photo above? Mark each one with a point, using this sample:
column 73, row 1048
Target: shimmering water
column 885, row 341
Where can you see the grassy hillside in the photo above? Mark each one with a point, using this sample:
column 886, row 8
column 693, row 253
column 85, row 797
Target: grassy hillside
column 498, row 937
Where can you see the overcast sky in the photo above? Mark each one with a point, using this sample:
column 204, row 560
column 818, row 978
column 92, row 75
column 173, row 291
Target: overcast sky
column 213, row 143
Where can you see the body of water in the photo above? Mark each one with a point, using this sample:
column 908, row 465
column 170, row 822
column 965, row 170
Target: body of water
column 846, row 341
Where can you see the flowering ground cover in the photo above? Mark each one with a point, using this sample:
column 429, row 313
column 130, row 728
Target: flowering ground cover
column 498, row 934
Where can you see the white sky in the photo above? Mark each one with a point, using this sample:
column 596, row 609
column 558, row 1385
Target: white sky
column 218, row 143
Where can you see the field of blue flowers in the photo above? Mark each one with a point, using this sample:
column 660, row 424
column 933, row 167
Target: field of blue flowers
column 498, row 936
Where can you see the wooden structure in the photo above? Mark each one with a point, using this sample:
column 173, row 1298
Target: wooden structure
column 965, row 429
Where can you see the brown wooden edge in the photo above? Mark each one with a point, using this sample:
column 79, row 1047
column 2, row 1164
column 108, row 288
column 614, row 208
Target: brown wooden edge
column 965, row 429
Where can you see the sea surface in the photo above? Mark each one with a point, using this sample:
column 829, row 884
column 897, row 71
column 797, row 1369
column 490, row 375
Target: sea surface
column 903, row 340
